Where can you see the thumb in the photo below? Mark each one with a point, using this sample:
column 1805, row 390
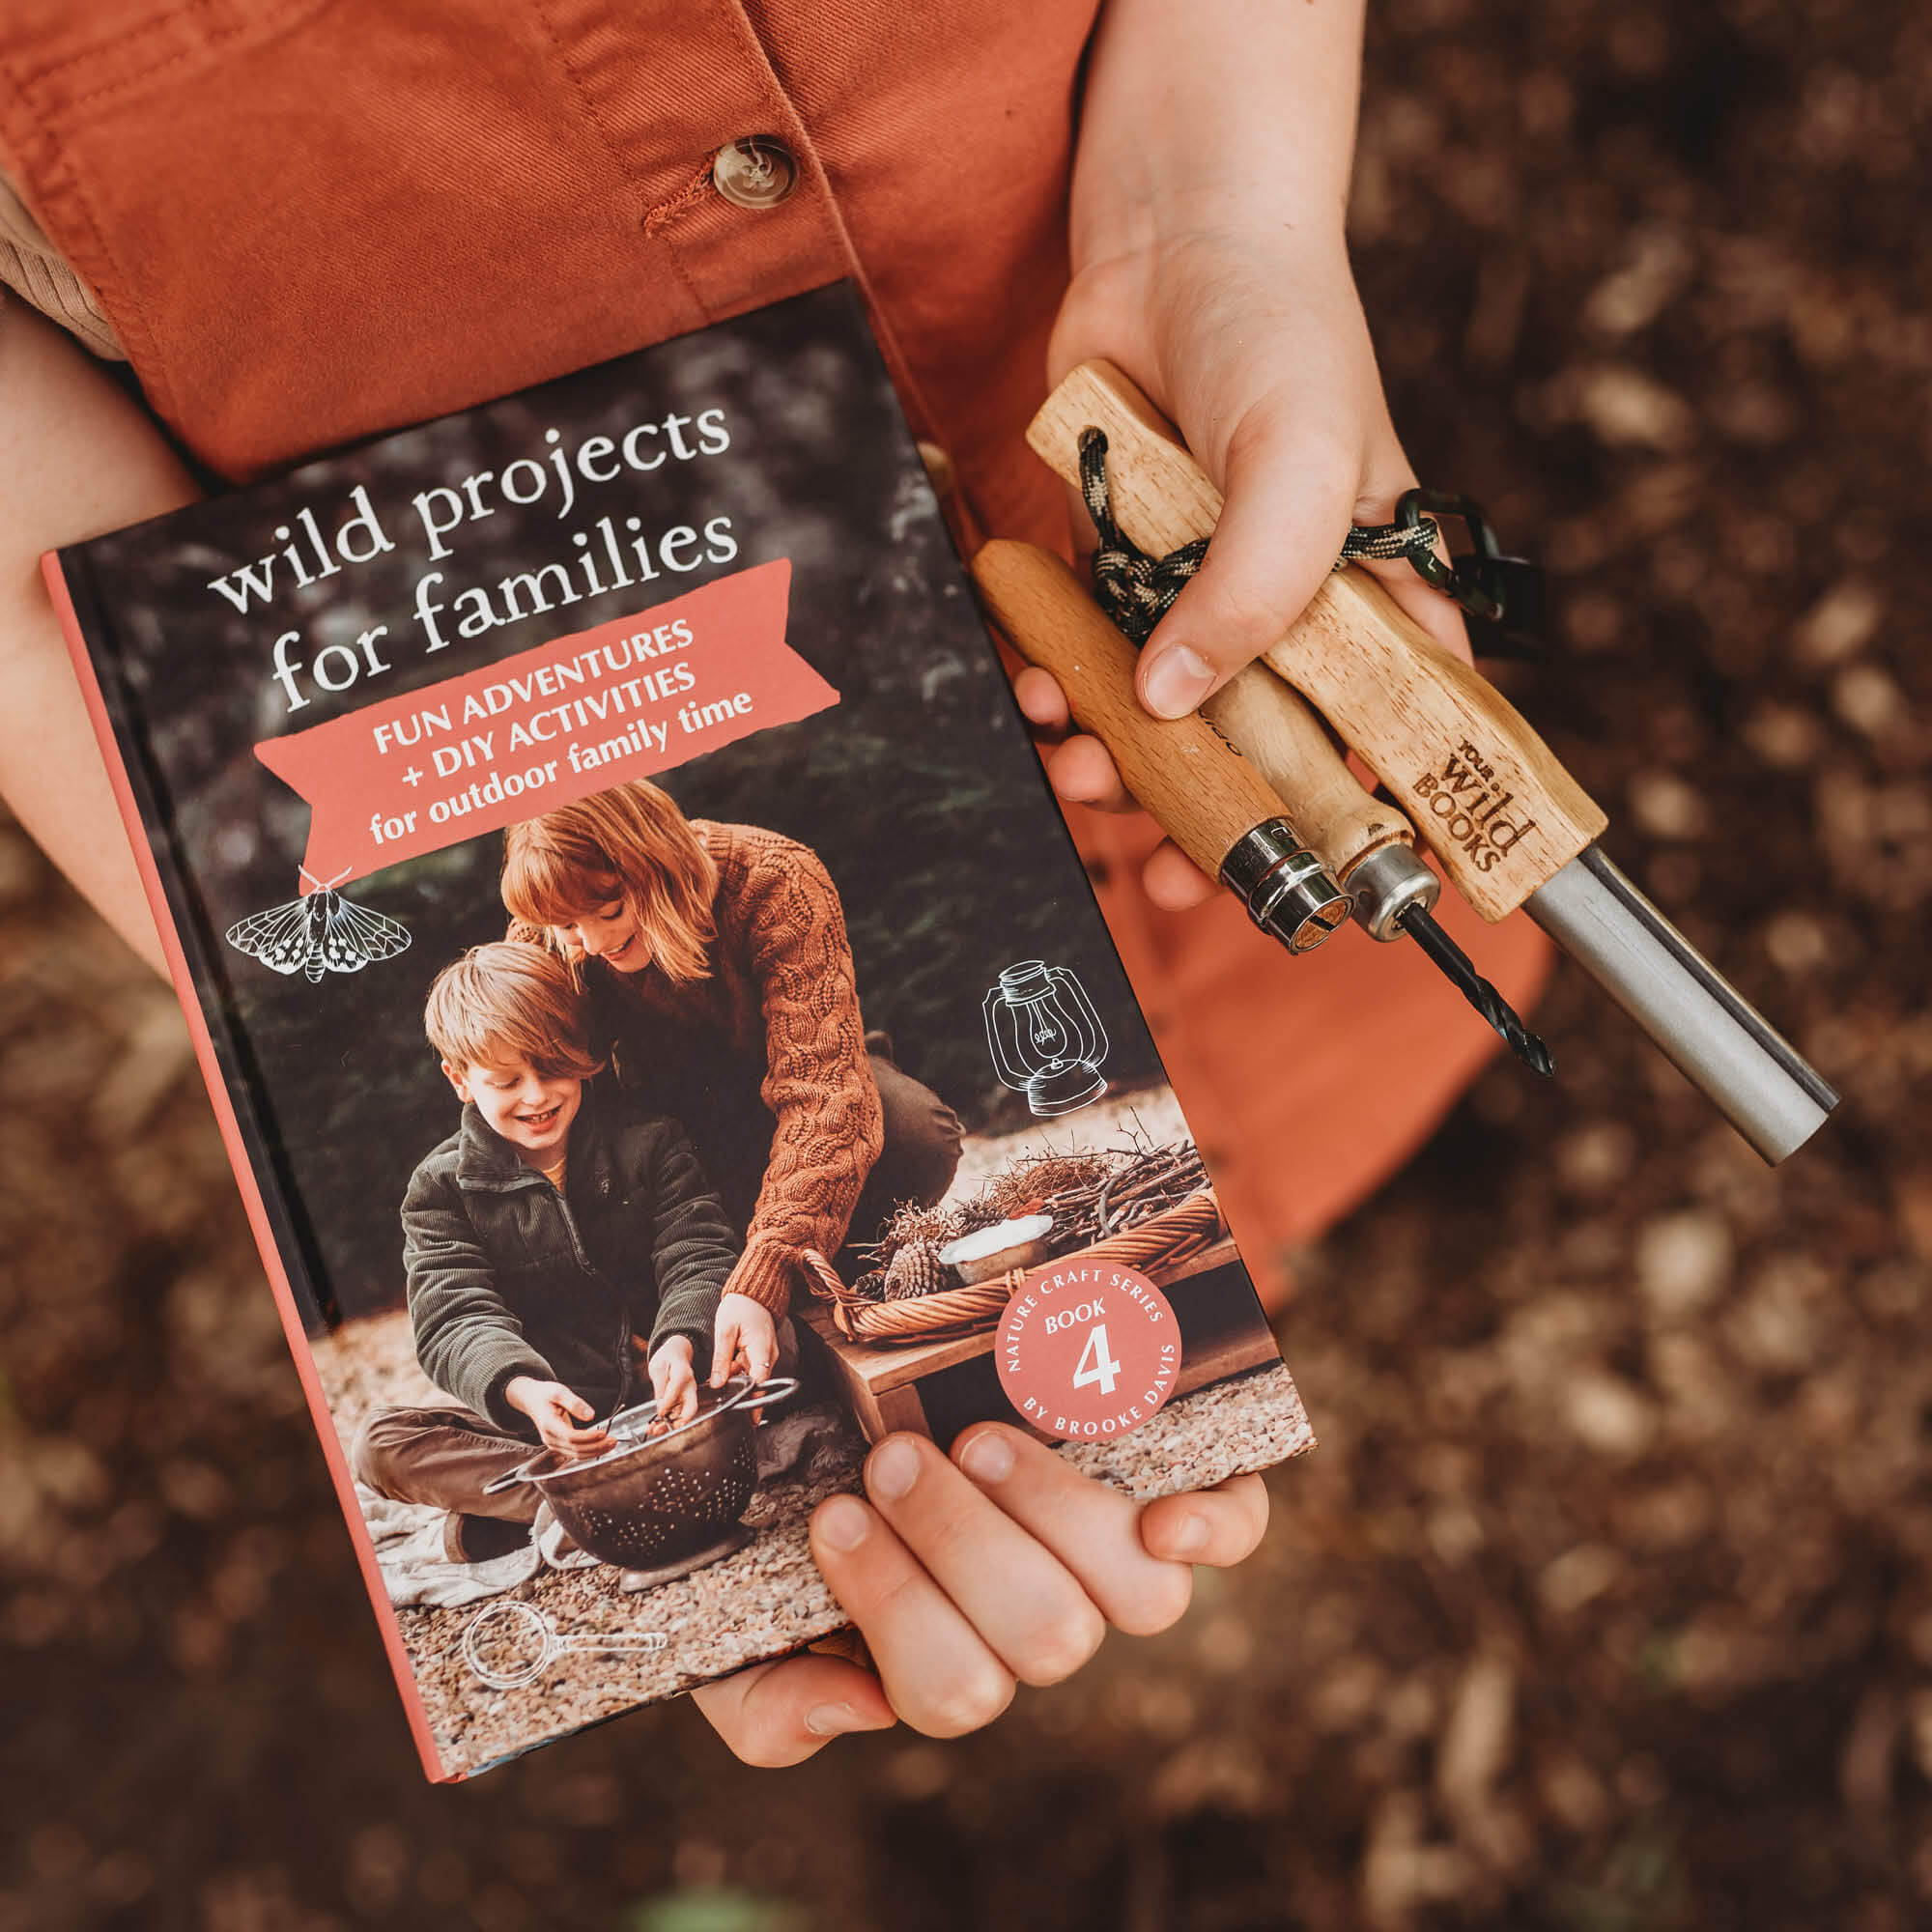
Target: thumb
column 1284, row 521
column 575, row 1404
column 777, row 1714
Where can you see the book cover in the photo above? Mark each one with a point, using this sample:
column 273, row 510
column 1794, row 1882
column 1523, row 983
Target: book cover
column 609, row 884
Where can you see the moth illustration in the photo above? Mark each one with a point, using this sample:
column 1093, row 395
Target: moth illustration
column 320, row 933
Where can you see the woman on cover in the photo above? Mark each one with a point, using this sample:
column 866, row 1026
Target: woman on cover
column 722, row 986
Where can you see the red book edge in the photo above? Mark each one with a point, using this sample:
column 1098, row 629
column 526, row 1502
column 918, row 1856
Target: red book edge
column 188, row 994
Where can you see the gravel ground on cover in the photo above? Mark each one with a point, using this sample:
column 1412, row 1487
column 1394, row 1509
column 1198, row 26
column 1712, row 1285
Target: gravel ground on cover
column 757, row 1603
column 1247, row 1422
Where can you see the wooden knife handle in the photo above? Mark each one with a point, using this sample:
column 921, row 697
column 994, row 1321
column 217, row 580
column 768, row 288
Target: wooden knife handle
column 1485, row 791
column 1273, row 728
column 1204, row 796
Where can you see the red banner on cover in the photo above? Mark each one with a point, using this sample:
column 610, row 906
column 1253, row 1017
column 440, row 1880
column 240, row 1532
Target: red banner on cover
column 528, row 733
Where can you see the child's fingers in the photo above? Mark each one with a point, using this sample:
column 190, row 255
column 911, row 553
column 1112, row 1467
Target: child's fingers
column 1041, row 700
column 1218, row 1526
column 1094, row 1531
column 1025, row 1605
column 938, row 1673
column 1289, row 490
column 1437, row 615
column 572, row 1440
column 727, row 1344
column 778, row 1714
column 1082, row 771
column 761, row 1355
column 1172, row 880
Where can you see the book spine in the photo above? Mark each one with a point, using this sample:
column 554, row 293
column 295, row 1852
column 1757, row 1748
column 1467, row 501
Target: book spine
column 298, row 1309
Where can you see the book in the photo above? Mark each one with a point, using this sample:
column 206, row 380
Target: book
column 710, row 581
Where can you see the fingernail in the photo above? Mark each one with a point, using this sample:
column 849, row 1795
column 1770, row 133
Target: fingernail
column 1176, row 681
column 893, row 1470
column 844, row 1523
column 831, row 1720
column 1189, row 1535
column 988, row 1458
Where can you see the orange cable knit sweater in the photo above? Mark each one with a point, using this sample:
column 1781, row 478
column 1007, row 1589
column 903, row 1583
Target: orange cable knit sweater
column 782, row 986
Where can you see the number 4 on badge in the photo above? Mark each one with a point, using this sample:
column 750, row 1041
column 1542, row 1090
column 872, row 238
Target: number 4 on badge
column 1087, row 1351
column 1096, row 1365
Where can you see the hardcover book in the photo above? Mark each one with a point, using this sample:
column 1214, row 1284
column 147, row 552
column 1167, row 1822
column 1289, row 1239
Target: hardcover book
column 625, row 928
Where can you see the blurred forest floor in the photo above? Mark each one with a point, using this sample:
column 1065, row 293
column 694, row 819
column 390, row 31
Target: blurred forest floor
column 1605, row 1604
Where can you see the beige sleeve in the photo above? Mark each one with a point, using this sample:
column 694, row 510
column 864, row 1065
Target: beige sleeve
column 33, row 268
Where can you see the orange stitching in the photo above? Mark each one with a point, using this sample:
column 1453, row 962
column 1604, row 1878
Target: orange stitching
column 627, row 174
column 667, row 211
column 567, row 66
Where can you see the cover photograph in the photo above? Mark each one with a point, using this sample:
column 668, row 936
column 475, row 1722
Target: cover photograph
column 659, row 1023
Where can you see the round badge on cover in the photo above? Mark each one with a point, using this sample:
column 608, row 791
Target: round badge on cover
column 1088, row 1350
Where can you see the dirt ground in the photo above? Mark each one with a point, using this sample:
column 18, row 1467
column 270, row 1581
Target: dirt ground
column 1605, row 1604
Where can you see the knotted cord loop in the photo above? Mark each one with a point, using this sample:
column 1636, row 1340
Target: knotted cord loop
column 1134, row 588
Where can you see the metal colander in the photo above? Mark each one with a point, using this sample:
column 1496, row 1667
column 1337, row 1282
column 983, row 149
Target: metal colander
column 653, row 1501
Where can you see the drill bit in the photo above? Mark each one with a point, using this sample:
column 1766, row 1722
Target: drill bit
column 1422, row 927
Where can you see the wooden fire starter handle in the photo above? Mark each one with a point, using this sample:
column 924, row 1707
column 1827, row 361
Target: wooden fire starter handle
column 1499, row 812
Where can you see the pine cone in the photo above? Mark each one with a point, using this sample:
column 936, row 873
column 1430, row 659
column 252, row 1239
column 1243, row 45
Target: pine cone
column 916, row 1269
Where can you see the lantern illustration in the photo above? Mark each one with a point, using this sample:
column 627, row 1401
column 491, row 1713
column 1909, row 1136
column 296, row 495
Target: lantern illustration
column 1046, row 1041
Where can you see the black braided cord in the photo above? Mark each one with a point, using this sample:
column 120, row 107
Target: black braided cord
column 1136, row 590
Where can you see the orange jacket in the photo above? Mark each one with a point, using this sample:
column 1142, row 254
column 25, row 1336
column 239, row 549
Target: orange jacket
column 310, row 220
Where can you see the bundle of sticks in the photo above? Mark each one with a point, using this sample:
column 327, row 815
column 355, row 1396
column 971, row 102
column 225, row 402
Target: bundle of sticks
column 1087, row 1196
column 1133, row 1184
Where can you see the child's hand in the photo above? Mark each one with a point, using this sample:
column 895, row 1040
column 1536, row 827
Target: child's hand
column 743, row 1335
column 558, row 1411
column 1257, row 348
column 1211, row 265
column 1004, row 1566
column 674, row 1381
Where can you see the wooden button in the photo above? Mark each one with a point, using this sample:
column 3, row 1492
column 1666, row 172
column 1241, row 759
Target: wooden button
column 759, row 171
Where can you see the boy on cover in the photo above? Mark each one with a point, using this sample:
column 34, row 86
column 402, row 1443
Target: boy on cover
column 542, row 1240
